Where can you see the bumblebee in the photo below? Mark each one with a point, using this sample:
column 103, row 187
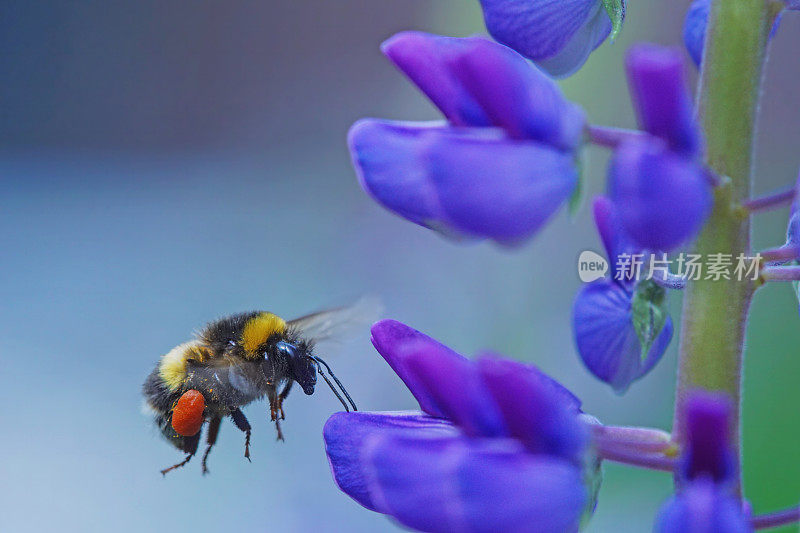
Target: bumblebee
column 234, row 361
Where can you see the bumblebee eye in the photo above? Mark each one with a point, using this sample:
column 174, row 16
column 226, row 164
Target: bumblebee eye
column 286, row 349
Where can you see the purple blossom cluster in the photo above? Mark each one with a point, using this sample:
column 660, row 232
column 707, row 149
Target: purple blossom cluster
column 498, row 445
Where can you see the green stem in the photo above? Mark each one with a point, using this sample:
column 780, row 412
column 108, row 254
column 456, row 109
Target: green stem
column 715, row 312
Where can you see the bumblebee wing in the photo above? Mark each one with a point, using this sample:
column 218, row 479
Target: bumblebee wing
column 338, row 323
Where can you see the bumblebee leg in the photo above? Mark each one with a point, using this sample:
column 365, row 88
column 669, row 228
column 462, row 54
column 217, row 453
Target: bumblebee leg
column 211, row 439
column 274, row 407
column 241, row 422
column 284, row 393
column 185, row 444
column 178, row 465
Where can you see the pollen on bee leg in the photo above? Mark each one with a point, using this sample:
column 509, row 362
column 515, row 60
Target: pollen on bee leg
column 187, row 417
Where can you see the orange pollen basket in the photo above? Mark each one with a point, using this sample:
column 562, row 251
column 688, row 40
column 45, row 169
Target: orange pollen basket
column 187, row 417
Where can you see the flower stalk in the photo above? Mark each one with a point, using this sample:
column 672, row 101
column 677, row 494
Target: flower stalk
column 652, row 461
column 772, row 201
column 611, row 137
column 715, row 312
column 776, row 519
column 646, row 440
column 781, row 254
column 781, row 273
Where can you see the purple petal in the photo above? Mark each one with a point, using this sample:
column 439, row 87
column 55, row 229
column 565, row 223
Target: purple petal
column 423, row 58
column 793, row 228
column 663, row 103
column 702, row 507
column 694, row 29
column 389, row 158
column 503, row 190
column 604, row 220
column 615, row 241
column 466, row 485
column 708, row 451
column 537, row 410
column 662, row 199
column 534, row 374
column 563, row 31
column 585, row 41
column 516, row 96
column 467, row 182
column 606, row 338
column 455, row 386
column 346, row 435
column 393, row 339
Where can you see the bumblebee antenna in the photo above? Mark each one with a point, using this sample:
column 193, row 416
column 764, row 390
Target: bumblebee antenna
column 339, row 396
column 339, row 383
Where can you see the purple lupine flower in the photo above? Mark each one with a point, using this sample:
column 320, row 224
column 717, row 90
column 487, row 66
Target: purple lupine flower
column 498, row 446
column 659, row 93
column 606, row 338
column 694, row 26
column 789, row 252
column 558, row 35
column 793, row 233
column 602, row 314
column 706, row 503
column 694, row 29
column 702, row 508
column 663, row 198
column 502, row 164
column 661, row 189
column 707, row 452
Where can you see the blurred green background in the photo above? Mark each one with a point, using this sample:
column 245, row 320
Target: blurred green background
column 164, row 163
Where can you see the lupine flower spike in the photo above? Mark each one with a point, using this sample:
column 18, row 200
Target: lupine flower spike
column 497, row 445
column 660, row 187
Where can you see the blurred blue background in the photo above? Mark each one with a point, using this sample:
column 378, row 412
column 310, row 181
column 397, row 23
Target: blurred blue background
column 164, row 163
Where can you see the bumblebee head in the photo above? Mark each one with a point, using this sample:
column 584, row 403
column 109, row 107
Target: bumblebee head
column 302, row 367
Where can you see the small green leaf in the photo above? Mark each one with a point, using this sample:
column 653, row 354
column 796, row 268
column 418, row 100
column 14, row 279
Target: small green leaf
column 592, row 480
column 576, row 198
column 616, row 12
column 649, row 309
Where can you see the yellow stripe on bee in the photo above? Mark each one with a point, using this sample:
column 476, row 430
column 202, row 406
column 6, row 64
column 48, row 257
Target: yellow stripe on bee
column 172, row 368
column 260, row 328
